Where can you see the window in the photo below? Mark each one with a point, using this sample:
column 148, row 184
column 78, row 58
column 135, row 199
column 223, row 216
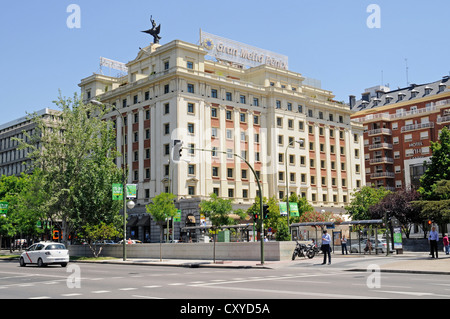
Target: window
column 191, row 190
column 214, row 132
column 166, row 128
column 244, row 174
column 213, row 112
column 190, row 107
column 166, row 108
column 242, row 99
column 166, row 65
column 166, row 88
column 191, row 169
column 278, row 104
column 229, row 96
column 215, row 171
column 214, row 93
column 229, row 172
column 191, row 128
column 255, row 101
column 229, row 134
column 242, row 117
column 190, row 88
column 228, row 115
column 190, row 65
column 231, row 193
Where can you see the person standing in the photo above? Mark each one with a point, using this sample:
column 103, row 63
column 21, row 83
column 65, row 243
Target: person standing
column 344, row 245
column 446, row 244
column 433, row 238
column 326, row 240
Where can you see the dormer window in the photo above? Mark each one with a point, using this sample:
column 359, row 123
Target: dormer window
column 428, row 90
column 414, row 93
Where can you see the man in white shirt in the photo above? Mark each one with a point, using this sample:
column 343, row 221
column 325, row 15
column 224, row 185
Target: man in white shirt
column 326, row 240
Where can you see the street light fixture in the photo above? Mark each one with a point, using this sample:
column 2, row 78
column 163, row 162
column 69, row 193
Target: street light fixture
column 124, row 178
column 301, row 143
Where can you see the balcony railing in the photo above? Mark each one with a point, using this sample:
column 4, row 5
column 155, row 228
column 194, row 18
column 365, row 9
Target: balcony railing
column 443, row 119
column 380, row 145
column 413, row 127
column 382, row 175
column 380, row 131
column 386, row 160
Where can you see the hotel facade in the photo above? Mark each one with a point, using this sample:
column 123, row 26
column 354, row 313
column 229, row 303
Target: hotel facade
column 399, row 126
column 263, row 113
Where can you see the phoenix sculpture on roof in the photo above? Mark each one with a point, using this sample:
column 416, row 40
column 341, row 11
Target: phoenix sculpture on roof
column 154, row 31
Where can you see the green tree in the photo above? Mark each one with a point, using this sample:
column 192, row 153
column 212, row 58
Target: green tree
column 218, row 210
column 75, row 153
column 439, row 167
column 363, row 200
column 436, row 205
column 95, row 235
column 162, row 208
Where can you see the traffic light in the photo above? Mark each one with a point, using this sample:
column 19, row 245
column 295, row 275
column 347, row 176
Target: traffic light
column 265, row 211
column 255, row 217
column 177, row 150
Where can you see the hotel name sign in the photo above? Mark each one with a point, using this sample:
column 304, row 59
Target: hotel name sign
column 240, row 53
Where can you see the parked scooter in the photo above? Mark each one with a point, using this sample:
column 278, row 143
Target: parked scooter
column 302, row 250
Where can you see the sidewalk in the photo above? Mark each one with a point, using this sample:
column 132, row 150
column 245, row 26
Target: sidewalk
column 409, row 262
column 405, row 263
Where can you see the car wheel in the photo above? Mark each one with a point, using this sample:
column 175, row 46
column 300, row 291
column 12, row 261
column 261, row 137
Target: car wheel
column 22, row 262
column 40, row 263
column 63, row 264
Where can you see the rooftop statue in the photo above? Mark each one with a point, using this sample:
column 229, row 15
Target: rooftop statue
column 154, row 31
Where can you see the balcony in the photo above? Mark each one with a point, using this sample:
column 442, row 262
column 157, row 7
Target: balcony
column 382, row 160
column 380, row 146
column 382, row 175
column 419, row 126
column 380, row 131
column 443, row 119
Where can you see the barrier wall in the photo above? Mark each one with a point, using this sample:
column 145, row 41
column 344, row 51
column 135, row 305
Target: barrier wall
column 273, row 251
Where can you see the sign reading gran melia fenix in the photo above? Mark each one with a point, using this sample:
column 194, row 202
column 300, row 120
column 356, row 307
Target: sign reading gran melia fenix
column 240, row 53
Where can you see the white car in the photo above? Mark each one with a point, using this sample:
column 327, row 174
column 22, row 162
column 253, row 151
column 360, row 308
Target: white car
column 45, row 253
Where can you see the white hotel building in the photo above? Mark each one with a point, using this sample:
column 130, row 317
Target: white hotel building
column 174, row 91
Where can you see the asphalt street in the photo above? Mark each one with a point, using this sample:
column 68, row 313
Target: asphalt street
column 300, row 279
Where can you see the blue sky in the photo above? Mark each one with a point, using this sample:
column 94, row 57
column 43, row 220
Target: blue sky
column 328, row 40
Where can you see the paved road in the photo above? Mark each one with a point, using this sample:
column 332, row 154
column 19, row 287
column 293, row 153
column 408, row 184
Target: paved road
column 297, row 280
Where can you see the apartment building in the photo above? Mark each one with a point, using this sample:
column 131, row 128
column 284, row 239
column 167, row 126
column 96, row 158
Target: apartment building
column 12, row 160
column 265, row 113
column 399, row 126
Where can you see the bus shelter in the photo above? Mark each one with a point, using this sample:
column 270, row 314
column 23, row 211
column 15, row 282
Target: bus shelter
column 318, row 227
column 357, row 240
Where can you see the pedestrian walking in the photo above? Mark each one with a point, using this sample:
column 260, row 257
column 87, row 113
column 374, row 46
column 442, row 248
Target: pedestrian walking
column 446, row 244
column 433, row 238
column 326, row 240
column 344, row 245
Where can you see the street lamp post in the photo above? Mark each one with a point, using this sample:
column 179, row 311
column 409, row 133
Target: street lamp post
column 301, row 143
column 261, row 218
column 124, row 178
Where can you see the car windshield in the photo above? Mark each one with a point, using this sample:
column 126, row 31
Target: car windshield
column 55, row 247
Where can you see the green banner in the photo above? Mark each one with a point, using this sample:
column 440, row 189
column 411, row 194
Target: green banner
column 117, row 192
column 4, row 208
column 283, row 209
column 177, row 217
column 131, row 190
column 293, row 210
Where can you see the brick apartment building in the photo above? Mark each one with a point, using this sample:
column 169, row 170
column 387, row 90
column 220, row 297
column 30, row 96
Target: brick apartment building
column 399, row 127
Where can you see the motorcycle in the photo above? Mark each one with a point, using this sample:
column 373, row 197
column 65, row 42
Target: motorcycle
column 302, row 250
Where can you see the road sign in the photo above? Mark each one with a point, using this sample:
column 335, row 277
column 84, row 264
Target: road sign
column 131, row 190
